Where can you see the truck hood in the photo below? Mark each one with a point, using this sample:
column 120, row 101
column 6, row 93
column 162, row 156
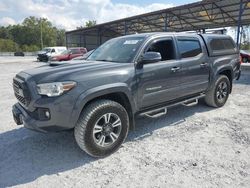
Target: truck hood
column 72, row 70
column 41, row 52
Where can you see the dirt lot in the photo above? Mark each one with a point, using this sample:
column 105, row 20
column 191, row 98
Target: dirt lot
column 189, row 147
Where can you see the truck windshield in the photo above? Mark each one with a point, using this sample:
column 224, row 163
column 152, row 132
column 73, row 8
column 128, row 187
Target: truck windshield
column 65, row 52
column 120, row 50
column 46, row 50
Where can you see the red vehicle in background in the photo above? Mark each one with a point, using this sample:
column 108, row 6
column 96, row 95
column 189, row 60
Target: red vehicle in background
column 69, row 54
column 245, row 56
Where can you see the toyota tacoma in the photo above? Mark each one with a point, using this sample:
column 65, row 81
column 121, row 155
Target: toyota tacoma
column 141, row 74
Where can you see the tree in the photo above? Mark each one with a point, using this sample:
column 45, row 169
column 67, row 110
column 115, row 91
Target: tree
column 37, row 28
column 90, row 23
column 60, row 40
column 4, row 32
column 31, row 35
column 7, row 45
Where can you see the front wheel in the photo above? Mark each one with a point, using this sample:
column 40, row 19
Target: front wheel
column 217, row 96
column 102, row 128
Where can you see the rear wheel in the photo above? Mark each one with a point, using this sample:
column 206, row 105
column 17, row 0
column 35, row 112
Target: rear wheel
column 217, row 96
column 102, row 128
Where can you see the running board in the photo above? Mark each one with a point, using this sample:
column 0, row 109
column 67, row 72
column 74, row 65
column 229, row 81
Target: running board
column 155, row 113
column 190, row 102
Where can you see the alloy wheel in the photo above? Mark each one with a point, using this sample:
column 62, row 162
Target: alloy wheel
column 107, row 129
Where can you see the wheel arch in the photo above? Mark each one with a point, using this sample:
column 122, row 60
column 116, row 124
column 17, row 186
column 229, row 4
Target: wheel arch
column 227, row 71
column 119, row 93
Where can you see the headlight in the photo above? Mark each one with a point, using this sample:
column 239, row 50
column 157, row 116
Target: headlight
column 55, row 88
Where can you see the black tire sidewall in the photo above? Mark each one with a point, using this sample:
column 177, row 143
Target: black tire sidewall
column 219, row 80
column 244, row 60
column 89, row 140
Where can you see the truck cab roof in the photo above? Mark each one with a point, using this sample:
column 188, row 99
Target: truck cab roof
column 216, row 44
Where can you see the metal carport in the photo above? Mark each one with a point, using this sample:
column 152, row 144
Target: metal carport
column 199, row 16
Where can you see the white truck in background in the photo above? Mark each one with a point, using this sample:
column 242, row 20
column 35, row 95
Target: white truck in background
column 46, row 53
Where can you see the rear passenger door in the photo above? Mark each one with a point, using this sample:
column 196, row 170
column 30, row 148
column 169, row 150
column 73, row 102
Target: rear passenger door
column 195, row 67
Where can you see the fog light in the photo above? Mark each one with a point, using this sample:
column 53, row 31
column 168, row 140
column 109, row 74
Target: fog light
column 43, row 114
column 47, row 114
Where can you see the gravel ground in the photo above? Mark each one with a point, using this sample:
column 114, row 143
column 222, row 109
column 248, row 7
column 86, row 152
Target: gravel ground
column 15, row 59
column 189, row 147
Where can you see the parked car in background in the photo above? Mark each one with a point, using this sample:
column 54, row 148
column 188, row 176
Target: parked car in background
column 245, row 56
column 84, row 56
column 69, row 54
column 19, row 54
column 48, row 52
column 74, row 60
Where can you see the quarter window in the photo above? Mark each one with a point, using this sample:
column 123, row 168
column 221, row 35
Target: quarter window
column 189, row 48
column 222, row 44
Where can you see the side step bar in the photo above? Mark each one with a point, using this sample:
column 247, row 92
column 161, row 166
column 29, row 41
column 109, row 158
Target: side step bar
column 190, row 102
column 158, row 112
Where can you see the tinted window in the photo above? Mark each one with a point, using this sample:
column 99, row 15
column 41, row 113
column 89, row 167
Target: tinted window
column 164, row 47
column 75, row 51
column 46, row 49
column 216, row 44
column 189, row 48
column 222, row 44
column 65, row 52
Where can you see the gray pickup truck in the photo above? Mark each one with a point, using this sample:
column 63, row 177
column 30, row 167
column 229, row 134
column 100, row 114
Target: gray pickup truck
column 141, row 74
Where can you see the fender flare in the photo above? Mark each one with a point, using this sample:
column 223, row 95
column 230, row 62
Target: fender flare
column 219, row 70
column 99, row 91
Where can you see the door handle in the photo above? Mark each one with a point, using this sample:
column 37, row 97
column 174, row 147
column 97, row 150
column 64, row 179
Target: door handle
column 203, row 65
column 175, row 69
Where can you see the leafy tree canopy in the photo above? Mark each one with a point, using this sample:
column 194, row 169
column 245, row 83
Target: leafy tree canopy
column 89, row 23
column 31, row 35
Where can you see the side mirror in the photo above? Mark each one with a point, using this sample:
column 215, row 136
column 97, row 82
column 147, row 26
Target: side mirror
column 150, row 57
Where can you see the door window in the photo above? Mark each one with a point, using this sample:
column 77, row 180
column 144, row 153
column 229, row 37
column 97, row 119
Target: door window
column 189, row 47
column 75, row 51
column 164, row 47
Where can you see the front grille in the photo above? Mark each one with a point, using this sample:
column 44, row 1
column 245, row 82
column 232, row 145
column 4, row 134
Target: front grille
column 21, row 91
column 40, row 55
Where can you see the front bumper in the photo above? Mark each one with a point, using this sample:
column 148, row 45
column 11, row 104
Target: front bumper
column 237, row 74
column 43, row 58
column 42, row 113
column 22, row 116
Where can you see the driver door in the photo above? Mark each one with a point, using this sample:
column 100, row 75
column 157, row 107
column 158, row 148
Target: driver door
column 159, row 82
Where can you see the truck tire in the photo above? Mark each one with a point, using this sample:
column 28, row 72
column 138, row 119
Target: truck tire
column 101, row 128
column 217, row 96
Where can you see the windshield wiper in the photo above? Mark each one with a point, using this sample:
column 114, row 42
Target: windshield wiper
column 105, row 60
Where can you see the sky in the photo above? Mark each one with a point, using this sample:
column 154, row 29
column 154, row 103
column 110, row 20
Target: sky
column 69, row 14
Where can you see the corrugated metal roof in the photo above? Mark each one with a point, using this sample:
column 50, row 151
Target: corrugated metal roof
column 200, row 15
